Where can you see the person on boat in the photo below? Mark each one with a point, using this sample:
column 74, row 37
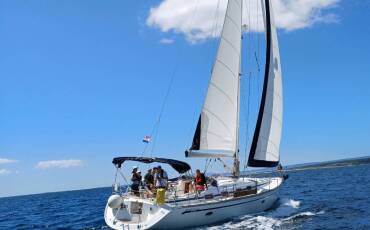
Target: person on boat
column 160, row 177
column 135, row 179
column 140, row 177
column 200, row 181
column 149, row 179
column 280, row 169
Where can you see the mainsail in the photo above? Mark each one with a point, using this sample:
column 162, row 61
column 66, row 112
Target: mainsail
column 265, row 145
column 217, row 130
column 216, row 134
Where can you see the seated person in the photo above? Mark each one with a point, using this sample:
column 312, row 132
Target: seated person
column 200, row 181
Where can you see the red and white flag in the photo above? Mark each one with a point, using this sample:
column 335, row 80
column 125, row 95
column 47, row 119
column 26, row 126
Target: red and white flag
column 147, row 139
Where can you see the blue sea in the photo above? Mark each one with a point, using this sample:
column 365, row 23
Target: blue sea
column 332, row 198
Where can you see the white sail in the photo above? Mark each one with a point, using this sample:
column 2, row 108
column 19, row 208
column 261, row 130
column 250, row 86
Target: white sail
column 266, row 140
column 217, row 126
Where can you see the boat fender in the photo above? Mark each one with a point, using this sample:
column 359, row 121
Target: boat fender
column 115, row 201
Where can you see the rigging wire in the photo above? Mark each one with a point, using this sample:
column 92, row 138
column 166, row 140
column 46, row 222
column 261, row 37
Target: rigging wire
column 247, row 124
column 155, row 137
column 258, row 33
column 155, row 130
column 193, row 16
column 214, row 31
column 249, row 54
column 207, row 164
column 224, row 164
column 253, row 70
column 250, row 38
column 215, row 22
column 214, row 34
column 242, row 66
column 257, row 62
column 258, row 52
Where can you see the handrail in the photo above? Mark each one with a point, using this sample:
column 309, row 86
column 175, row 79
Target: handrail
column 173, row 195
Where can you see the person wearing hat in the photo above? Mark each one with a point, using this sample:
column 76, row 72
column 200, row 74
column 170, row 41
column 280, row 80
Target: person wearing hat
column 135, row 179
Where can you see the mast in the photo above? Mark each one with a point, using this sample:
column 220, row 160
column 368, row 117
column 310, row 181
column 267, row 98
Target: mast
column 236, row 165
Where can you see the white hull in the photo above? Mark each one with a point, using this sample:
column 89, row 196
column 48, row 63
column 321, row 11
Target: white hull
column 189, row 214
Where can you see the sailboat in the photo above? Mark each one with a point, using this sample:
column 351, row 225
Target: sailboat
column 216, row 137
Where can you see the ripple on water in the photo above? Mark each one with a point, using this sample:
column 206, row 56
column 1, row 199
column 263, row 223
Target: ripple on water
column 313, row 199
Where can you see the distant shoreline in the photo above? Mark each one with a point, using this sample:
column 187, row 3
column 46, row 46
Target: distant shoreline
column 43, row 193
column 330, row 164
column 321, row 167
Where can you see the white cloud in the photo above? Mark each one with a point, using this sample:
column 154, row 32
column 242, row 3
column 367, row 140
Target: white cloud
column 202, row 19
column 7, row 161
column 58, row 164
column 166, row 41
column 4, row 172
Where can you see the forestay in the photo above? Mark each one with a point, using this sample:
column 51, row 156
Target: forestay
column 216, row 132
column 265, row 145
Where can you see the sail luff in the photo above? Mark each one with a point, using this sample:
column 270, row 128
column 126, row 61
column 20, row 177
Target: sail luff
column 217, row 125
column 265, row 145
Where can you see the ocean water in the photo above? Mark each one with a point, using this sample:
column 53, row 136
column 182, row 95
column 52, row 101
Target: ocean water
column 336, row 198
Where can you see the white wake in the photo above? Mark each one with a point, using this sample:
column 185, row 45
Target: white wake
column 286, row 213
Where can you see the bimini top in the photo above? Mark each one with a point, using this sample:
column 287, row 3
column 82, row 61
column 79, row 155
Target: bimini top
column 179, row 166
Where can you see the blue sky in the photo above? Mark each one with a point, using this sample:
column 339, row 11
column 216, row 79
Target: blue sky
column 83, row 81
